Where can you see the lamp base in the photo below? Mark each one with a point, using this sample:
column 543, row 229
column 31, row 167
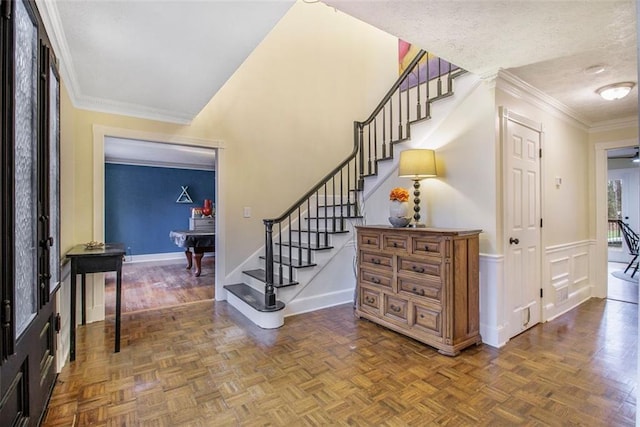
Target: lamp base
column 416, row 225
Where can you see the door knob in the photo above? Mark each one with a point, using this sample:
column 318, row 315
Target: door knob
column 512, row 241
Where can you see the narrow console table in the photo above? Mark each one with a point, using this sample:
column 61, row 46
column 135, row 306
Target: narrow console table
column 99, row 260
column 421, row 282
column 197, row 241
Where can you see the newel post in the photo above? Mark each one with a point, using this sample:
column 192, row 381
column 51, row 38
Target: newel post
column 269, row 293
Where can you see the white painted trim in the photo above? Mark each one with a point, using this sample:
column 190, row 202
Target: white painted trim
column 518, row 88
column 156, row 164
column 492, row 328
column 566, row 246
column 615, row 124
column 134, row 259
column 52, row 23
column 567, row 266
column 600, row 256
column 265, row 320
column 99, row 134
column 318, row 302
column 506, row 116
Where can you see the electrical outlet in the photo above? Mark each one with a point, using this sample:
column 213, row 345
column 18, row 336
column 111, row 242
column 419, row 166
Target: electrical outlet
column 246, row 212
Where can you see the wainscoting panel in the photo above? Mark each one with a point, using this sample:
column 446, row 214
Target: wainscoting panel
column 492, row 294
column 566, row 277
column 63, row 297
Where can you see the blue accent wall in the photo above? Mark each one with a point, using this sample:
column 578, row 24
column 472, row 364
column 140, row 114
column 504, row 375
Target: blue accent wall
column 141, row 208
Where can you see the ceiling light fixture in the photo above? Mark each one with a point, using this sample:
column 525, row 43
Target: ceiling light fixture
column 595, row 69
column 615, row 91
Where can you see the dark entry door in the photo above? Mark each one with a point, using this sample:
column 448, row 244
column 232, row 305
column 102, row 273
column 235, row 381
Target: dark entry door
column 29, row 249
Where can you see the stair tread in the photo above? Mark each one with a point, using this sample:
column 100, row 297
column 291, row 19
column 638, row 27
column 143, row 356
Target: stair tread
column 252, row 297
column 286, row 261
column 313, row 247
column 261, row 275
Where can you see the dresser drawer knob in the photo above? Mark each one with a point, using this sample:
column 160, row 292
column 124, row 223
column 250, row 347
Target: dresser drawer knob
column 415, row 291
column 395, row 244
column 395, row 308
column 368, row 241
column 370, row 300
column 375, row 280
column 417, row 269
column 375, row 260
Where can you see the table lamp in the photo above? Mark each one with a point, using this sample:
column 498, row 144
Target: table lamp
column 417, row 165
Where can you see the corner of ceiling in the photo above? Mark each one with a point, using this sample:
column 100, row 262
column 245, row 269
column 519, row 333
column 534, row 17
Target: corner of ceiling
column 51, row 19
column 517, row 87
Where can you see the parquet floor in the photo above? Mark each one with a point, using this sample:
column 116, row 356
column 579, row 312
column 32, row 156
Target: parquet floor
column 619, row 289
column 152, row 285
column 204, row 364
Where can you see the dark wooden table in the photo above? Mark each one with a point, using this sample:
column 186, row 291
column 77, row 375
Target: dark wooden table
column 198, row 241
column 100, row 260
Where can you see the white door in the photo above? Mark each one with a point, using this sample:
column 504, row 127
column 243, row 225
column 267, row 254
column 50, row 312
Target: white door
column 521, row 147
column 628, row 182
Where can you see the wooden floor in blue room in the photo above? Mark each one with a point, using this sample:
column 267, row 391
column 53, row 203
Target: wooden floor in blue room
column 204, row 364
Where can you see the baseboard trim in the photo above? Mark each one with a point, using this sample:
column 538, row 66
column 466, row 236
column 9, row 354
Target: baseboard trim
column 155, row 257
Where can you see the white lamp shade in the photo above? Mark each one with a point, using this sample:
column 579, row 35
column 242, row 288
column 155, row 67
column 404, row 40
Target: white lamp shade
column 417, row 164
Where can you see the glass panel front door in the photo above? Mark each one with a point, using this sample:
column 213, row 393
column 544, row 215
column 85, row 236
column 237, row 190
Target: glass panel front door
column 25, row 167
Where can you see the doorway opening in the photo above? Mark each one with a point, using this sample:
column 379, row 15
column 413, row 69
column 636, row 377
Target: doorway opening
column 623, row 212
column 213, row 271
column 153, row 188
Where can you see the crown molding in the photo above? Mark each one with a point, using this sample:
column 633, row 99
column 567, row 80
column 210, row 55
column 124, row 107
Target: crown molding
column 51, row 19
column 615, row 124
column 122, row 108
column 518, row 88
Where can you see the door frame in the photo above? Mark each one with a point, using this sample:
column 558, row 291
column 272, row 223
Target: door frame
column 99, row 134
column 506, row 115
column 600, row 281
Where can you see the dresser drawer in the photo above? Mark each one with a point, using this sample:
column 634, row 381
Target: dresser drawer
column 427, row 245
column 368, row 240
column 427, row 319
column 395, row 308
column 394, row 243
column 419, row 266
column 376, row 260
column 429, row 288
column 376, row 278
column 370, row 300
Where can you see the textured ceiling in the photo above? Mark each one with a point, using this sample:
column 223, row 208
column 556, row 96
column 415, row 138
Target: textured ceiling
column 548, row 44
column 166, row 59
column 155, row 59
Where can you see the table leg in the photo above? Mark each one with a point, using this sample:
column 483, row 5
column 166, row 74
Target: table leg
column 72, row 313
column 83, row 295
column 189, row 258
column 198, row 256
column 118, row 307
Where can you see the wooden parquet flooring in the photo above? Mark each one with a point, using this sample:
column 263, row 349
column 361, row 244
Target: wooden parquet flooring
column 204, row 364
column 152, row 285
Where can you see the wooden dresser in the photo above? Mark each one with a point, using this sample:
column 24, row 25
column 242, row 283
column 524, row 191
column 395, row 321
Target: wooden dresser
column 421, row 282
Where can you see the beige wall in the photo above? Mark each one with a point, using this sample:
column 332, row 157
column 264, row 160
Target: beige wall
column 285, row 118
